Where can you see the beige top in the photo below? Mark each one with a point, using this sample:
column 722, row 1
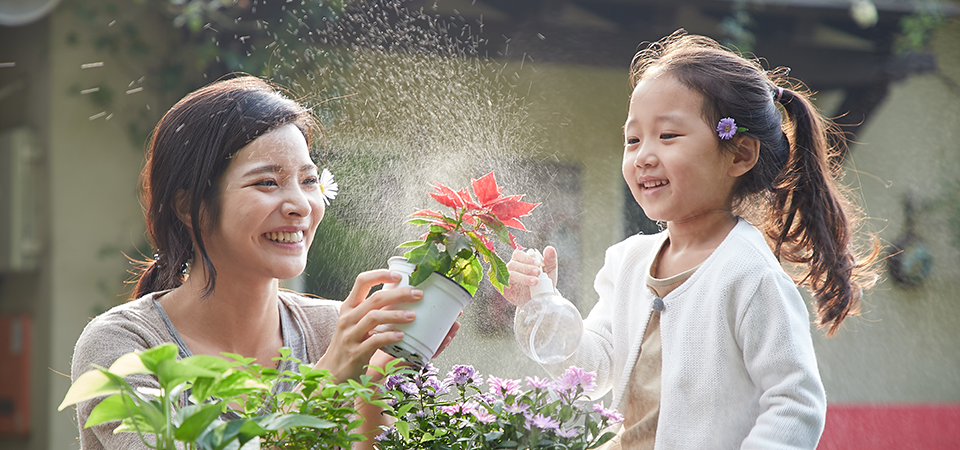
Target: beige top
column 642, row 397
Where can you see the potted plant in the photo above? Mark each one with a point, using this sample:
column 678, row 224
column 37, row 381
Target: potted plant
column 446, row 261
column 456, row 413
column 317, row 413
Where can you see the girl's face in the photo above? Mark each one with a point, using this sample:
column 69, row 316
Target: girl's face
column 672, row 159
column 270, row 206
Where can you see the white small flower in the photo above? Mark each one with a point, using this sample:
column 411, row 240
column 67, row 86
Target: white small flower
column 328, row 187
column 440, row 247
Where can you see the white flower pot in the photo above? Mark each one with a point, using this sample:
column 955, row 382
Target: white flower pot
column 443, row 300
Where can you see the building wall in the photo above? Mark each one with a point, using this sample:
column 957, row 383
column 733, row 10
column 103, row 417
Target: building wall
column 903, row 349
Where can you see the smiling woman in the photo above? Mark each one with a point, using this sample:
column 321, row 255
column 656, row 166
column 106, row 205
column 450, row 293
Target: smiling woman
column 230, row 192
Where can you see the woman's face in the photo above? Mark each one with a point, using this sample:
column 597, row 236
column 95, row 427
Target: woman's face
column 270, row 206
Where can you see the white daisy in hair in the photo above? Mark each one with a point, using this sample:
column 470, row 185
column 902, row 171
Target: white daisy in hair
column 328, row 187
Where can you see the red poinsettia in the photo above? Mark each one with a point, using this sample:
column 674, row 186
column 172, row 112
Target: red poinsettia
column 455, row 243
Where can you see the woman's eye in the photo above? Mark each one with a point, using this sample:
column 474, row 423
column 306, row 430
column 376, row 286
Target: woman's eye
column 311, row 180
column 267, row 182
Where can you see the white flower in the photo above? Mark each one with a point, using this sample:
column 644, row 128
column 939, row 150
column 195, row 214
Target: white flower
column 328, row 187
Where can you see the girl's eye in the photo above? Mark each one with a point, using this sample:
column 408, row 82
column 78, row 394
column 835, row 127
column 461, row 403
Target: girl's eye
column 668, row 136
column 267, row 182
column 631, row 141
column 312, row 180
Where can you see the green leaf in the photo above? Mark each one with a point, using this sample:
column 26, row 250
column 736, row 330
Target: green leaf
column 195, row 419
column 410, row 244
column 171, row 373
column 152, row 356
column 115, row 407
column 91, row 384
column 403, row 427
column 603, row 439
column 128, row 364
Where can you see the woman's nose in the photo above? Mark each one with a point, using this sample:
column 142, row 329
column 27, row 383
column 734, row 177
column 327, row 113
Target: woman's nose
column 296, row 203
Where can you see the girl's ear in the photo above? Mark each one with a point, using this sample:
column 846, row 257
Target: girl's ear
column 746, row 151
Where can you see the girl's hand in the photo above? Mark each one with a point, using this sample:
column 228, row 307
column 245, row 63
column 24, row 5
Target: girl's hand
column 524, row 273
column 354, row 341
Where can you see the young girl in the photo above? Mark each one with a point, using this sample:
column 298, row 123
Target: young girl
column 701, row 335
column 230, row 192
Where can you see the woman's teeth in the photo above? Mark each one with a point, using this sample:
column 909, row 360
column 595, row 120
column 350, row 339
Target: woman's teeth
column 284, row 237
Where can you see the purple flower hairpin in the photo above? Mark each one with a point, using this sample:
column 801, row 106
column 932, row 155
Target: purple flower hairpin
column 727, row 128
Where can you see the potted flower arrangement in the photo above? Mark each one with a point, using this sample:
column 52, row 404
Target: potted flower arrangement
column 456, row 413
column 236, row 404
column 446, row 261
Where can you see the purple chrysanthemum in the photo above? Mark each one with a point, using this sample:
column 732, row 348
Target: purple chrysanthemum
column 726, row 128
column 503, row 387
column 393, row 381
column 409, row 388
column 461, row 375
column 385, row 434
column 542, row 422
column 433, row 387
column 568, row 432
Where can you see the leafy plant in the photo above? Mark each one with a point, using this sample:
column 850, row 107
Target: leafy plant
column 317, row 412
column 456, row 242
column 454, row 413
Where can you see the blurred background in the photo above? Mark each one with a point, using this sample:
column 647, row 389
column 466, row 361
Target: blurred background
column 412, row 92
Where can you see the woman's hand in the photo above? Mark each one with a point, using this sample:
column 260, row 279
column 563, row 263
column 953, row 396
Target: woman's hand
column 354, row 341
column 524, row 272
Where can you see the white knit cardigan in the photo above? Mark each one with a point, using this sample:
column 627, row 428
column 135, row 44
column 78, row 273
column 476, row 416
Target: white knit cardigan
column 738, row 371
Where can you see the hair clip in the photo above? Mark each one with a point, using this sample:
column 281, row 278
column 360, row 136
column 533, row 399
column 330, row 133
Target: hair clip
column 728, row 127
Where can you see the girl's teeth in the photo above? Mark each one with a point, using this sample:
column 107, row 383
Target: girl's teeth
column 285, row 237
column 653, row 184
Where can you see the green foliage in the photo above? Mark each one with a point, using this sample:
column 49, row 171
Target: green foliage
column 916, row 30
column 316, row 413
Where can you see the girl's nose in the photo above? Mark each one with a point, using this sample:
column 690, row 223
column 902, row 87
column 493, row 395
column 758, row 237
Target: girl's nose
column 645, row 157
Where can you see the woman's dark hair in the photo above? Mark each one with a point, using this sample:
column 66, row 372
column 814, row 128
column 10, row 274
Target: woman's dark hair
column 189, row 151
column 807, row 216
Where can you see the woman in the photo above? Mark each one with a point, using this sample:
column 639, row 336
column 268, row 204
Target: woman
column 231, row 195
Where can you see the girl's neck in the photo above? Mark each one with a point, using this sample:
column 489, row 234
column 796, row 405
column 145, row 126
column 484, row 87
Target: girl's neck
column 239, row 316
column 691, row 242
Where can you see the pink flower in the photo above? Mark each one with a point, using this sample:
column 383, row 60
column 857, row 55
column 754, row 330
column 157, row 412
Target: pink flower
column 542, row 422
column 611, row 415
column 483, row 415
column 575, row 377
column 539, row 383
column 503, row 387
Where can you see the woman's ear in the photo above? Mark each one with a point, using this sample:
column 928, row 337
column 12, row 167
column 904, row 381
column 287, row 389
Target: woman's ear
column 746, row 151
column 182, row 208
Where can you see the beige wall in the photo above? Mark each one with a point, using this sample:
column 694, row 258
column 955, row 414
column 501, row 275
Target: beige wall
column 905, row 346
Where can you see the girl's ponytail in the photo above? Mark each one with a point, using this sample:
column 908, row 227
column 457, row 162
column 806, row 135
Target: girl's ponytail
column 809, row 222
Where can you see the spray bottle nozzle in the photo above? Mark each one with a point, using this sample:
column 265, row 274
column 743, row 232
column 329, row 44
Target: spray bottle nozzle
column 544, row 283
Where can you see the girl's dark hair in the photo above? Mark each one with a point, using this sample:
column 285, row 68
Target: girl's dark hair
column 189, row 151
column 807, row 216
